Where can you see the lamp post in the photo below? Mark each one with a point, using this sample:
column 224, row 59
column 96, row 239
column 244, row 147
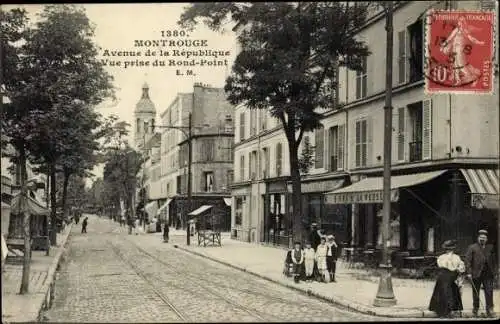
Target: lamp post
column 385, row 293
column 188, row 132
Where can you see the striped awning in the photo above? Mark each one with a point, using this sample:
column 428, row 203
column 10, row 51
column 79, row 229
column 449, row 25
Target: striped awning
column 483, row 185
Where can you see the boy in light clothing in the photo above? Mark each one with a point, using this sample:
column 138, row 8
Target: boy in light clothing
column 309, row 258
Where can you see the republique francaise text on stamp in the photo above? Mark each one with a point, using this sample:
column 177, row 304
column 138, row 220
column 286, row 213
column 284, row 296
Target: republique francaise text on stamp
column 459, row 52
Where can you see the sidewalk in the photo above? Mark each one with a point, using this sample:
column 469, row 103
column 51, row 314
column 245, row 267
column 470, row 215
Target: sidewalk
column 355, row 289
column 26, row 308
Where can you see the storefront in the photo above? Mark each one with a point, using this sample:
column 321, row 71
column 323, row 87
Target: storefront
column 277, row 214
column 332, row 218
column 179, row 207
column 240, row 213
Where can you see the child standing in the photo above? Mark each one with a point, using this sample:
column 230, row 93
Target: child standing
column 298, row 261
column 309, row 256
column 321, row 252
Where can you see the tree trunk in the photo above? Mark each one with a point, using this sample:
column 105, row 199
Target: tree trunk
column 298, row 227
column 53, row 202
column 26, row 223
column 67, row 175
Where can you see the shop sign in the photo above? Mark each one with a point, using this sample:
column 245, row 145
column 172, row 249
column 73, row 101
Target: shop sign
column 240, row 192
column 277, row 187
column 366, row 197
column 486, row 201
column 321, row 186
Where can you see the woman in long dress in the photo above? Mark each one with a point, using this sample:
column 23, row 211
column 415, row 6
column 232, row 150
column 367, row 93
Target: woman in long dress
column 321, row 252
column 446, row 297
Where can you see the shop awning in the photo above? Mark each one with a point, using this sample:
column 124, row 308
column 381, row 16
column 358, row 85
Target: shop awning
column 370, row 190
column 151, row 208
column 164, row 206
column 227, row 201
column 200, row 210
column 33, row 206
column 483, row 186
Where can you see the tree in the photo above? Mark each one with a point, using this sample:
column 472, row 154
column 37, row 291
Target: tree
column 289, row 58
column 17, row 117
column 69, row 83
column 306, row 159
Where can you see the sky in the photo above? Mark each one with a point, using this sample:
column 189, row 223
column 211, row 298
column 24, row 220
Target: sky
column 118, row 26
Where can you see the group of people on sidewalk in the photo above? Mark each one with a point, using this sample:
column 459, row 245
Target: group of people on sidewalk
column 317, row 261
column 479, row 268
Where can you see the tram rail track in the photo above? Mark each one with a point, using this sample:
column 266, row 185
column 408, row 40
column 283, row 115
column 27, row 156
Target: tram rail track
column 144, row 277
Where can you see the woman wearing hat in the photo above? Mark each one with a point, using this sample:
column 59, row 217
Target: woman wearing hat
column 446, row 297
column 321, row 253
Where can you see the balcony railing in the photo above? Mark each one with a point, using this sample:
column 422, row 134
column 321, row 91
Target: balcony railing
column 415, row 151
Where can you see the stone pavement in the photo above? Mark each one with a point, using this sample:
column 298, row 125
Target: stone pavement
column 26, row 308
column 354, row 289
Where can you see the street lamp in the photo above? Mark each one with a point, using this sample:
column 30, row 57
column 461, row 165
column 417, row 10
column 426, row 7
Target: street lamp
column 385, row 293
column 188, row 132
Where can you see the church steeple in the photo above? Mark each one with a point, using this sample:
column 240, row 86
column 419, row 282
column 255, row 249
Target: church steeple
column 145, row 91
column 145, row 114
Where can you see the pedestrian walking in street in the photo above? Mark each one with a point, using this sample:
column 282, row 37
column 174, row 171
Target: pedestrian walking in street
column 130, row 225
column 481, row 267
column 137, row 226
column 298, row 262
column 84, row 225
column 446, row 296
column 165, row 232
column 321, row 253
column 309, row 261
column 331, row 257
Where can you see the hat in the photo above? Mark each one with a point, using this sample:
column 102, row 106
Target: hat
column 323, row 237
column 483, row 232
column 330, row 237
column 314, row 224
column 297, row 242
column 449, row 245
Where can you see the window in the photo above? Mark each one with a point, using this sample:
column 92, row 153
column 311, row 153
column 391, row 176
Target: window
column 178, row 184
column 279, row 159
column 209, row 181
column 253, row 122
column 238, row 210
column 138, row 125
column 242, row 168
column 319, row 148
column 361, row 143
column 332, row 148
column 361, row 80
column 265, row 163
column 403, row 61
column 340, row 147
column 263, row 120
column 229, row 178
column 207, row 150
column 416, row 60
column 242, row 126
column 401, row 134
column 253, row 165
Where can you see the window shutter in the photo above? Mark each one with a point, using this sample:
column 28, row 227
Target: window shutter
column 487, row 5
column 278, row 159
column 427, row 129
column 358, row 143
column 402, row 57
column 319, row 148
column 340, row 147
column 401, row 134
column 369, row 142
column 242, row 126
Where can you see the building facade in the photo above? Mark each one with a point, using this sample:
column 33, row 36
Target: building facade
column 212, row 159
column 444, row 155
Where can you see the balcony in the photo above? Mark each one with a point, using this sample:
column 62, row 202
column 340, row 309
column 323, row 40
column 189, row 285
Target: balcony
column 415, row 151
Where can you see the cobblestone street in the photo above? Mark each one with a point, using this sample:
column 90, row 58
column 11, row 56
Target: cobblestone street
column 110, row 276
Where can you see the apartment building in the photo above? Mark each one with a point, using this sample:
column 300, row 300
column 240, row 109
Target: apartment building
column 212, row 159
column 444, row 155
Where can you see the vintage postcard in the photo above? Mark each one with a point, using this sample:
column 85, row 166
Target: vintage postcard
column 249, row 162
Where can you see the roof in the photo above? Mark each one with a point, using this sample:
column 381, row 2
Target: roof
column 145, row 104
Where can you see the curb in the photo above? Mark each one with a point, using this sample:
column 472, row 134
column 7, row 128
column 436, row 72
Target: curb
column 349, row 305
column 49, row 285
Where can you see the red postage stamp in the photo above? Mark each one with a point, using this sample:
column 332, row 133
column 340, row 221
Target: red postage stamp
column 459, row 52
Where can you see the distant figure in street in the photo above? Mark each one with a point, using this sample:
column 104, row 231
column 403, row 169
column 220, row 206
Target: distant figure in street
column 130, row 223
column 136, row 226
column 298, row 261
column 122, row 220
column 331, row 257
column 309, row 261
column 84, row 225
column 165, row 232
column 321, row 253
column 446, row 297
column 480, row 265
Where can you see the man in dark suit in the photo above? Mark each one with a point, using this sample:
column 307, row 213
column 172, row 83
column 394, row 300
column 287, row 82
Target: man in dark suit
column 480, row 264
